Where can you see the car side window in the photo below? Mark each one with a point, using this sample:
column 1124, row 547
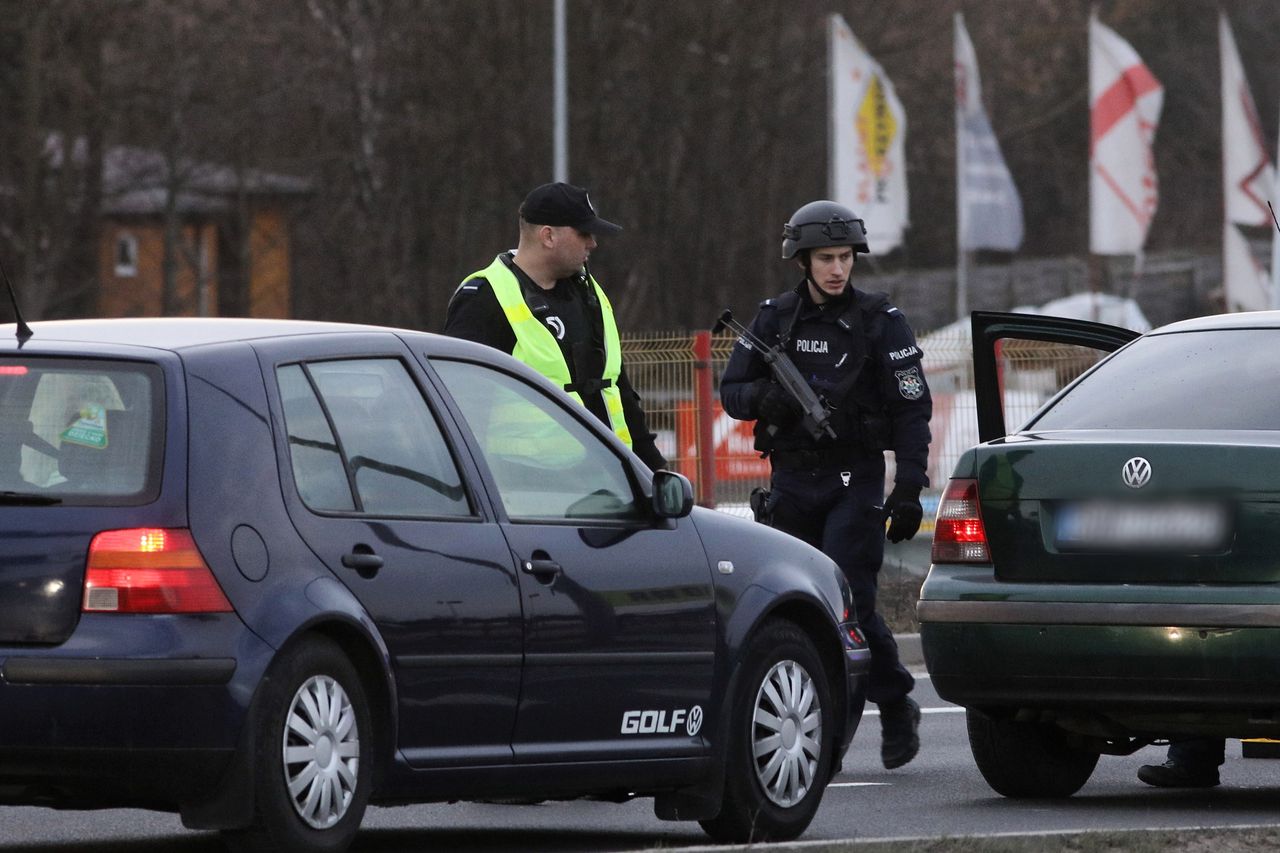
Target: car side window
column 545, row 463
column 388, row 448
column 318, row 470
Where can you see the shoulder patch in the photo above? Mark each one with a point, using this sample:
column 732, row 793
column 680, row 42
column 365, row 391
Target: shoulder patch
column 469, row 286
column 911, row 351
column 876, row 302
column 910, row 383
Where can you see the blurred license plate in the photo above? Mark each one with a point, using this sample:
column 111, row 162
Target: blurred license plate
column 1184, row 527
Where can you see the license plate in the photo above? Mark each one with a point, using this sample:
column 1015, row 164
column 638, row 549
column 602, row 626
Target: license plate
column 1181, row 527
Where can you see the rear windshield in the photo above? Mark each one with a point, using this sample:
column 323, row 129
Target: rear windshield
column 1220, row 379
column 79, row 432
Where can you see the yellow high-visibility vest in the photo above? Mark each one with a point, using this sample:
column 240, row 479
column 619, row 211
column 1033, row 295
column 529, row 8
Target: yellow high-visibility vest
column 538, row 348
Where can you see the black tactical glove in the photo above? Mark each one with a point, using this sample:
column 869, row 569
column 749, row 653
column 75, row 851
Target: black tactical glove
column 775, row 406
column 904, row 512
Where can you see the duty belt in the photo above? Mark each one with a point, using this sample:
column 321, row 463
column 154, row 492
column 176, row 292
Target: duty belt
column 816, row 458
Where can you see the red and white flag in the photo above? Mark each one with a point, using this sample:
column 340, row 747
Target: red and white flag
column 1124, row 110
column 1248, row 181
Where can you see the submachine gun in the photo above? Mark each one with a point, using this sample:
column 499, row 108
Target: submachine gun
column 817, row 418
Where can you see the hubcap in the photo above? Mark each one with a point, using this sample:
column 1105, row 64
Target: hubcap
column 787, row 735
column 321, row 752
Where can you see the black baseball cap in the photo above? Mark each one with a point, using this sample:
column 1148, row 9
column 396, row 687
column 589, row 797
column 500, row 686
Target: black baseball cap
column 564, row 204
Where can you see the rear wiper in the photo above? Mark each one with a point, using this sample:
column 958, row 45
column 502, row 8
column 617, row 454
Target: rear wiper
column 27, row 499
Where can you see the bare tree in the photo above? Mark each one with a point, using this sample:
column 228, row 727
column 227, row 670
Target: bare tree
column 420, row 124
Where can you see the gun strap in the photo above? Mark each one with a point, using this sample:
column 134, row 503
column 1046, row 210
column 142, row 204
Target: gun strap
column 790, row 303
column 589, row 386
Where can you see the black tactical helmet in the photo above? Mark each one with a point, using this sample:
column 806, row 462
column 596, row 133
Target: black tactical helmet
column 823, row 223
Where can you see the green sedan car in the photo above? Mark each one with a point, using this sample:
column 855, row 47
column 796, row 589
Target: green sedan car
column 1107, row 576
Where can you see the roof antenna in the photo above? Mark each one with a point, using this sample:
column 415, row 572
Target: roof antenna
column 24, row 331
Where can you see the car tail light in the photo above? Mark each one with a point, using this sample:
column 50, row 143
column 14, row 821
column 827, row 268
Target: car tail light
column 959, row 535
column 149, row 570
column 13, row 370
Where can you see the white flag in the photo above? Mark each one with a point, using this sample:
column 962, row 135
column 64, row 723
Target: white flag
column 1247, row 173
column 989, row 210
column 868, row 126
column 1124, row 110
column 1246, row 286
column 1248, row 180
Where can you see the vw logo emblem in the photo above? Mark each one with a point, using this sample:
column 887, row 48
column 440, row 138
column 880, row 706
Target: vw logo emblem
column 695, row 720
column 1136, row 472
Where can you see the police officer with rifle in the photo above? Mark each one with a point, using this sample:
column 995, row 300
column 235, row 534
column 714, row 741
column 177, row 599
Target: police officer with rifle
column 832, row 377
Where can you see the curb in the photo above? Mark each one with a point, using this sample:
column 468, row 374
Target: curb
column 909, row 651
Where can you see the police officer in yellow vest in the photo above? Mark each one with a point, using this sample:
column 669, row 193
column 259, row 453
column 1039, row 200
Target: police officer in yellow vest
column 541, row 304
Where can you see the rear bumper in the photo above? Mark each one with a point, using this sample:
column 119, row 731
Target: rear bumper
column 190, row 671
column 163, row 780
column 1140, row 658
column 1105, row 667
column 150, row 720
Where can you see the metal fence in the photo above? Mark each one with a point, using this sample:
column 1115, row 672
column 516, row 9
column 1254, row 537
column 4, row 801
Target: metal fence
column 677, row 375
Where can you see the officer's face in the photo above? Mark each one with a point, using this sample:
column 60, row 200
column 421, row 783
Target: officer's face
column 571, row 248
column 829, row 269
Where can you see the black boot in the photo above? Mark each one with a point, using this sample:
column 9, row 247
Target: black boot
column 899, row 732
column 1171, row 774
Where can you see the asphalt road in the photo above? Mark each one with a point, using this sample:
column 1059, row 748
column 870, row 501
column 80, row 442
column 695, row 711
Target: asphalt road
column 939, row 794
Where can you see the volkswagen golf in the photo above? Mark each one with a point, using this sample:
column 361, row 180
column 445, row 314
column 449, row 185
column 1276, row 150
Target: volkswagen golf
column 265, row 573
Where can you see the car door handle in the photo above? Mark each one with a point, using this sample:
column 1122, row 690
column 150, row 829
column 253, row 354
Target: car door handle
column 363, row 560
column 544, row 570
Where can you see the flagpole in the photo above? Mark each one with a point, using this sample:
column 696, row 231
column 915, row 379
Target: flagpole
column 962, row 220
column 832, row 106
column 1275, row 235
column 560, row 96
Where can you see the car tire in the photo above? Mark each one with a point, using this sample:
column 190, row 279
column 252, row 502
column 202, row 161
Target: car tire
column 780, row 745
column 1027, row 760
column 312, row 762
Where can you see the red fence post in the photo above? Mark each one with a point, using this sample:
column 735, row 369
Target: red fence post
column 704, row 415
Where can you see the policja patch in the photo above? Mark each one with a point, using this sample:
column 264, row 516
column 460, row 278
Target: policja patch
column 910, row 385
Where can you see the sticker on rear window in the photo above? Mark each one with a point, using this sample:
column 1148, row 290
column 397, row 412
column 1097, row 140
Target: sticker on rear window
column 89, row 429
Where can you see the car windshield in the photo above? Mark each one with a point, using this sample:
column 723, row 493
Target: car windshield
column 1219, row 379
column 78, row 431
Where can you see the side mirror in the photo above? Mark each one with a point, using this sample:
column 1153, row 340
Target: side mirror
column 672, row 495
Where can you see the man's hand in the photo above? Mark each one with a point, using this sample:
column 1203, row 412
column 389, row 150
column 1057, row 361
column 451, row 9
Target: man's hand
column 904, row 512
column 775, row 406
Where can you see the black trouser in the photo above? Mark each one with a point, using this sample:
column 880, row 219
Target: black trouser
column 1198, row 753
column 846, row 523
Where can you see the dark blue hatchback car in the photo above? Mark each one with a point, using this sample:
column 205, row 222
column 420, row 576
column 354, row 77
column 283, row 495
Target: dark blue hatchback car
column 266, row 573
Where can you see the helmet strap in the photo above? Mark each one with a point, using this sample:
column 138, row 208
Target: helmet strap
column 803, row 256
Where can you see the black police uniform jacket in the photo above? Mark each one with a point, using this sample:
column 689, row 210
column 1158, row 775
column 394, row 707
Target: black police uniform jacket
column 858, row 353
column 572, row 314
